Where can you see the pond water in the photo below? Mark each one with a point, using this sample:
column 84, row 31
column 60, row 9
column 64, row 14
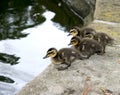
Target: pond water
column 25, row 35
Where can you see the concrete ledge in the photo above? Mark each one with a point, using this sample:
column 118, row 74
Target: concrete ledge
column 102, row 70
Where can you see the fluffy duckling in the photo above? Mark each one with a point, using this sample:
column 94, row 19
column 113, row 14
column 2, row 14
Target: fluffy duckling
column 86, row 46
column 76, row 31
column 102, row 38
column 64, row 56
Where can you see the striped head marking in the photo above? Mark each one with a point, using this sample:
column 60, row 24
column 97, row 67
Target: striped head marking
column 74, row 41
column 52, row 52
column 90, row 36
column 73, row 32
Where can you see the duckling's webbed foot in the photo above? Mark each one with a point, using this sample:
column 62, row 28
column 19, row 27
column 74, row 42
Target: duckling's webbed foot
column 86, row 56
column 78, row 56
column 63, row 67
column 100, row 52
column 82, row 57
column 67, row 64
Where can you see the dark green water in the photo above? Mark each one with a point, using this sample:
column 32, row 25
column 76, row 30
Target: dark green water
column 27, row 29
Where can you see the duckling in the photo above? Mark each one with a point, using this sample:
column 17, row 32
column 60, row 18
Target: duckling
column 76, row 31
column 86, row 46
column 87, row 31
column 64, row 56
column 102, row 38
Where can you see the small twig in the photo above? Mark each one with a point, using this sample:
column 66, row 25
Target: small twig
column 87, row 87
column 118, row 61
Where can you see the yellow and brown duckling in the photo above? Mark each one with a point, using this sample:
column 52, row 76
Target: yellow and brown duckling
column 102, row 38
column 76, row 31
column 86, row 46
column 64, row 56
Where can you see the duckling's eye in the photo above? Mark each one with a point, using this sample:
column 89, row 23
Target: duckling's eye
column 87, row 33
column 51, row 52
column 73, row 31
column 74, row 42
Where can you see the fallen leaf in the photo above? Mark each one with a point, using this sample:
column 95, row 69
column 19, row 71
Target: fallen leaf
column 118, row 61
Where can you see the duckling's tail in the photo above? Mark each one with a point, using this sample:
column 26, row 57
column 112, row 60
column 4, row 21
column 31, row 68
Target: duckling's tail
column 110, row 41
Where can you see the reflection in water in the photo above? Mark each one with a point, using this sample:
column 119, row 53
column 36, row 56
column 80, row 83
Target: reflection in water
column 6, row 79
column 6, row 89
column 63, row 14
column 13, row 22
column 26, row 32
column 9, row 59
column 11, row 79
column 14, row 19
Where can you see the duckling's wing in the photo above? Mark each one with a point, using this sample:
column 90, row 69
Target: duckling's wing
column 109, row 40
column 61, row 54
column 66, row 54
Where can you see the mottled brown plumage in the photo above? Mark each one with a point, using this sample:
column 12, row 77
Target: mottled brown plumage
column 63, row 56
column 76, row 31
column 86, row 46
column 103, row 38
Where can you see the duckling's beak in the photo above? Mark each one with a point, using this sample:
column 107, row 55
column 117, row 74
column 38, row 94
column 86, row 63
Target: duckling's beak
column 69, row 44
column 69, row 34
column 45, row 57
